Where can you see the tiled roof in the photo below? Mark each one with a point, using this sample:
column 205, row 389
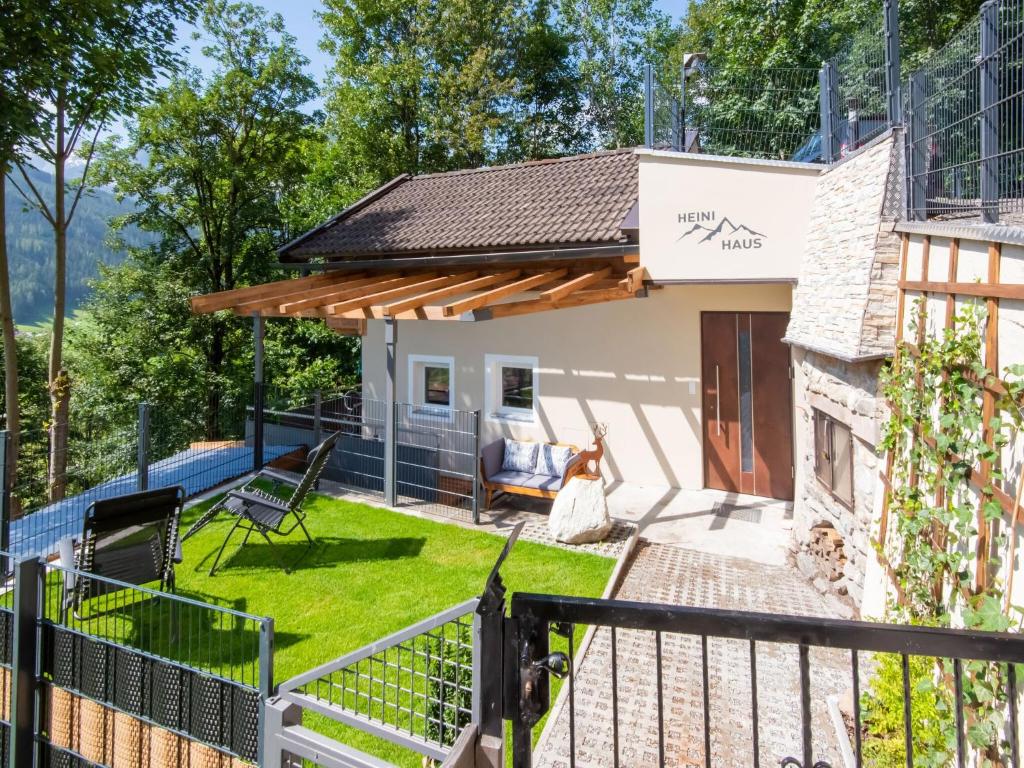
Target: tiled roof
column 566, row 201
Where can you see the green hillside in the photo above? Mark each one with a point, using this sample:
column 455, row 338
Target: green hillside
column 30, row 248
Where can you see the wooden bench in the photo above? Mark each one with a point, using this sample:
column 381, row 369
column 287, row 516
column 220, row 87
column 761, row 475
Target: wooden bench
column 494, row 479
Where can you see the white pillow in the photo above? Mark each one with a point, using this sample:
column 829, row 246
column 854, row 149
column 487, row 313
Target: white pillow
column 519, row 457
column 551, row 460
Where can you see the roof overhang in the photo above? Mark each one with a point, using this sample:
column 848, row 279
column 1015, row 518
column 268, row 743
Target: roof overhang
column 483, row 290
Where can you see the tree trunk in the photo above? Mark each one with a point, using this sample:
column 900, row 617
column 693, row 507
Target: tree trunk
column 13, row 420
column 59, row 384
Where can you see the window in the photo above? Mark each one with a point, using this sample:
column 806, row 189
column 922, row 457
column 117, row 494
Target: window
column 431, row 384
column 511, row 388
column 516, row 387
column 833, row 457
column 437, row 382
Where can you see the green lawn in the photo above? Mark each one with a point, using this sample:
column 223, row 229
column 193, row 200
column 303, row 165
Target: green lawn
column 371, row 573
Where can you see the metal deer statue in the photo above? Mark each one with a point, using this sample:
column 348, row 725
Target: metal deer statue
column 595, row 454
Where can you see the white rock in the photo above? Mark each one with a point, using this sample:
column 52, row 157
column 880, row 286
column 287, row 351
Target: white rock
column 580, row 513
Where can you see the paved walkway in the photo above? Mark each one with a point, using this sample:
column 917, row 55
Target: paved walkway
column 672, row 574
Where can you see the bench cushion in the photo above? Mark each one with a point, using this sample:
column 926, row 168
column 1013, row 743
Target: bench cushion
column 527, row 480
column 553, row 459
column 519, row 457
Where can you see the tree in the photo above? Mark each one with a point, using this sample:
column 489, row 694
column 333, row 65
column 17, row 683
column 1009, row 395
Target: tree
column 611, row 41
column 103, row 58
column 207, row 163
column 24, row 41
column 419, row 87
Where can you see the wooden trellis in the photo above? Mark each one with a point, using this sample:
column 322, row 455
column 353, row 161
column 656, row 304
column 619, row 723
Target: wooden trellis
column 994, row 388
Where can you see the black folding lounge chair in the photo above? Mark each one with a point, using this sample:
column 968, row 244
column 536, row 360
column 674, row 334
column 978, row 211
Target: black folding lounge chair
column 268, row 513
column 131, row 538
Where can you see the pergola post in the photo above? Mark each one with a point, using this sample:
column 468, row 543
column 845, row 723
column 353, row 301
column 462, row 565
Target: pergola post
column 258, row 329
column 390, row 426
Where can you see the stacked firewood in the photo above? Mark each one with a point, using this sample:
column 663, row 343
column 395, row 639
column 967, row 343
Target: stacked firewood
column 826, row 547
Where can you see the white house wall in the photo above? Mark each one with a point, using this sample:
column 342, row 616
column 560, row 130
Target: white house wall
column 634, row 365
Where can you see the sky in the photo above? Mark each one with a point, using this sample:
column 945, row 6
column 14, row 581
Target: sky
column 300, row 20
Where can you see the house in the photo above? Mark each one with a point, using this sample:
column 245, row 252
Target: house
column 684, row 366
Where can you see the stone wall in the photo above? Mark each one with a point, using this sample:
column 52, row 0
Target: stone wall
column 845, row 300
column 849, row 392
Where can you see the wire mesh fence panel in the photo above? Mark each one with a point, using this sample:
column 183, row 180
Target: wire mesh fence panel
column 414, row 688
column 770, row 113
column 191, row 669
column 965, row 110
column 48, row 504
column 198, row 451
column 6, row 647
column 861, row 92
column 358, row 458
column 436, row 457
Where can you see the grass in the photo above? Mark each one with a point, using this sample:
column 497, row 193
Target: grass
column 372, row 572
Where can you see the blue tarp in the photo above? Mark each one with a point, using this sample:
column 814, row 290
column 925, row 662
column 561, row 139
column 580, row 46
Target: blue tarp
column 197, row 469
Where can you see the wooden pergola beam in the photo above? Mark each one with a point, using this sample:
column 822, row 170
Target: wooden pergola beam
column 288, row 294
column 531, row 306
column 380, row 297
column 324, row 296
column 497, row 294
column 576, row 284
column 476, row 283
column 634, row 279
column 214, row 302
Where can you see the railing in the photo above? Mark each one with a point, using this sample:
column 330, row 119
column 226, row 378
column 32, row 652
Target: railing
column 127, row 673
column 724, row 719
column 965, row 111
column 766, row 112
column 429, row 688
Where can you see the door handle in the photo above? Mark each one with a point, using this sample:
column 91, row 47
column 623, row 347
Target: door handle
column 718, row 405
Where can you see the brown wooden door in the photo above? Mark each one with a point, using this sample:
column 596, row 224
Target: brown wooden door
column 747, row 403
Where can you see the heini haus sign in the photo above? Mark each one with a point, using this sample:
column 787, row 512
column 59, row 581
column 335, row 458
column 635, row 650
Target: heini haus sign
column 714, row 220
column 705, row 227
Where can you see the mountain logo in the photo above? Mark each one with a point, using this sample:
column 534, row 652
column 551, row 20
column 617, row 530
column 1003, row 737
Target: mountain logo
column 729, row 235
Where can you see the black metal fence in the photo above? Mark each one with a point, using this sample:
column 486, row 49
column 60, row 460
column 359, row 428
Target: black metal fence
column 970, row 677
column 965, row 113
column 113, row 674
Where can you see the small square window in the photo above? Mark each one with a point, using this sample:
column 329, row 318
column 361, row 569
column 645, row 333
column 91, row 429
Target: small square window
column 517, row 388
column 511, row 388
column 437, row 383
column 833, row 457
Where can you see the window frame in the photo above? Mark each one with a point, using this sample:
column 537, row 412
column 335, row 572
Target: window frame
column 824, row 424
column 493, row 394
column 417, row 365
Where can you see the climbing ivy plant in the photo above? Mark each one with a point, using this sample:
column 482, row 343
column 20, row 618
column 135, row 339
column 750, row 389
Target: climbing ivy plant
column 936, row 439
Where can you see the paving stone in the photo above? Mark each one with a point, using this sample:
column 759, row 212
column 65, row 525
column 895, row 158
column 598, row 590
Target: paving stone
column 671, row 574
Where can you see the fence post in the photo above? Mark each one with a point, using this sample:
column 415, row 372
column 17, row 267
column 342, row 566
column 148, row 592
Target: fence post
column 476, row 467
column 893, row 100
column 258, row 395
column 5, row 493
column 317, row 415
column 917, row 156
column 24, row 662
column 266, row 683
column 391, row 408
column 681, row 112
column 142, row 460
column 829, row 111
column 648, row 105
column 989, row 124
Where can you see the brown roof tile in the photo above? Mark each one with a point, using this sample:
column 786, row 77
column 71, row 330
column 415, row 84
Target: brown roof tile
column 566, row 201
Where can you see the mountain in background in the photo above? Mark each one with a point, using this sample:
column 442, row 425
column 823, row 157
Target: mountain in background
column 30, row 249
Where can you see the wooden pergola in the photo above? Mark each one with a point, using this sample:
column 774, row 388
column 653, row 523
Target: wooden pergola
column 346, row 297
column 464, row 288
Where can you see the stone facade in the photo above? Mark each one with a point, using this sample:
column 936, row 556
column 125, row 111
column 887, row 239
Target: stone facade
column 842, row 327
column 849, row 392
column 845, row 301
